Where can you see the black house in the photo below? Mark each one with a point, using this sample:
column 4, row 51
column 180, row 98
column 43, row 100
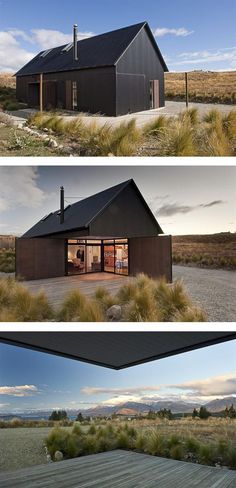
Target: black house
column 115, row 73
column 113, row 231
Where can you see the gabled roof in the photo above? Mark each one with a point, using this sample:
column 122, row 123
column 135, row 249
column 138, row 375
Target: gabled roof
column 97, row 51
column 81, row 214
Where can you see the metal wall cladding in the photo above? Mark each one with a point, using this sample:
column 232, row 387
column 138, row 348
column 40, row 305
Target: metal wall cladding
column 126, row 216
column 96, row 89
column 140, row 59
column 152, row 256
column 40, row 258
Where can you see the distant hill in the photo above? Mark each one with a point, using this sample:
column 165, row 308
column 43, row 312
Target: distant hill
column 133, row 408
column 204, row 86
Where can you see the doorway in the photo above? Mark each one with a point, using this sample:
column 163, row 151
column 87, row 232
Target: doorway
column 95, row 256
column 154, row 94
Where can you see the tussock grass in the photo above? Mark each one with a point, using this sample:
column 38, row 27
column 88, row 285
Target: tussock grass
column 77, row 308
column 185, row 135
column 154, row 440
column 141, row 300
column 92, row 139
column 18, row 305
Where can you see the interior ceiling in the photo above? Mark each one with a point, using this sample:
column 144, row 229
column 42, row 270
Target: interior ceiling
column 116, row 350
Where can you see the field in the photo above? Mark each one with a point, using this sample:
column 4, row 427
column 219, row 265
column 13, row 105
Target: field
column 186, row 439
column 204, row 86
column 210, row 251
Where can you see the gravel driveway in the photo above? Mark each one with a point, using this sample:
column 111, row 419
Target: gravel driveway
column 213, row 289
column 22, row 447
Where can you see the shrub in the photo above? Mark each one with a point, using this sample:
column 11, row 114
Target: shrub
column 155, row 444
column 141, row 442
column 92, row 429
column 206, row 454
column 57, row 440
column 76, row 307
column 192, row 445
column 19, row 305
column 104, row 298
column 123, row 441
column 177, row 452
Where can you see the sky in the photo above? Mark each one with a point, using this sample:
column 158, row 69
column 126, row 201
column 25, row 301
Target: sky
column 190, row 35
column 30, row 380
column 184, row 199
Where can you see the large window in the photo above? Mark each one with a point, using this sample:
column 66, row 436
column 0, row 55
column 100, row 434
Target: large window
column 76, row 259
column 94, row 256
column 116, row 256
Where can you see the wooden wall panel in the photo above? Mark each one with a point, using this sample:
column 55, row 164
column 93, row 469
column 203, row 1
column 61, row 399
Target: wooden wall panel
column 152, row 256
column 40, row 258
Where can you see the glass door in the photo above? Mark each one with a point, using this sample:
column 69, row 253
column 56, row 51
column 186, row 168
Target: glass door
column 121, row 259
column 109, row 258
column 93, row 259
column 76, row 259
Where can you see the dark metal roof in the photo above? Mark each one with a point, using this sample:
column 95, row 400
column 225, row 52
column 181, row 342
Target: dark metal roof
column 80, row 214
column 102, row 50
column 115, row 350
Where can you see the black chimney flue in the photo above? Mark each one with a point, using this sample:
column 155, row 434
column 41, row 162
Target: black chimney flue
column 62, row 208
column 75, row 42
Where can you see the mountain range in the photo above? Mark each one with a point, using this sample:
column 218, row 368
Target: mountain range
column 131, row 408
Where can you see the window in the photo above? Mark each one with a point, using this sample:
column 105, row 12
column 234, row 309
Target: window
column 45, row 53
column 67, row 48
column 74, row 95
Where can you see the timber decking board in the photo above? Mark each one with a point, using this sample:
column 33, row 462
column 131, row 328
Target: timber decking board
column 120, row 469
column 57, row 288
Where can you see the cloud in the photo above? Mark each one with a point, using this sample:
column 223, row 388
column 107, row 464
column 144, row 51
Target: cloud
column 216, row 386
column 19, row 391
column 169, row 209
column 13, row 56
column 88, row 390
column 46, row 38
column 19, row 187
column 180, row 32
column 208, row 56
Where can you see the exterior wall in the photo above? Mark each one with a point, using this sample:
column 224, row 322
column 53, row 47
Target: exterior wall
column 39, row 258
column 135, row 69
column 96, row 89
column 126, row 216
column 152, row 256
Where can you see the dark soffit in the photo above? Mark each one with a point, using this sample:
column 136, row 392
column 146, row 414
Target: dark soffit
column 115, row 350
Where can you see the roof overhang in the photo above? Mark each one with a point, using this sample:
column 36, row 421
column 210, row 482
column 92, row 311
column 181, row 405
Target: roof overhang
column 115, row 350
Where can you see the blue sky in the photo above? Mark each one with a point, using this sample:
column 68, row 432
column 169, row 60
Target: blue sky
column 32, row 380
column 207, row 204
column 190, row 35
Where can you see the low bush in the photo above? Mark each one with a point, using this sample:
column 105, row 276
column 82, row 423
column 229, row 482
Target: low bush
column 17, row 304
column 7, row 260
column 79, row 443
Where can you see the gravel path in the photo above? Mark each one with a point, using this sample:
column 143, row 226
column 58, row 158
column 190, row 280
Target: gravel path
column 213, row 289
column 22, row 447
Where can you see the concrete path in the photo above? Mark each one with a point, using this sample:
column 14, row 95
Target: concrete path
column 172, row 109
column 120, row 469
column 213, row 289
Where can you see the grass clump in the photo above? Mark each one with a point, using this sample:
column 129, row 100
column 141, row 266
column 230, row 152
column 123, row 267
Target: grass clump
column 18, row 305
column 7, row 260
column 77, row 308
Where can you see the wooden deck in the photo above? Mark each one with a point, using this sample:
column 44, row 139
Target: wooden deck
column 56, row 288
column 119, row 469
